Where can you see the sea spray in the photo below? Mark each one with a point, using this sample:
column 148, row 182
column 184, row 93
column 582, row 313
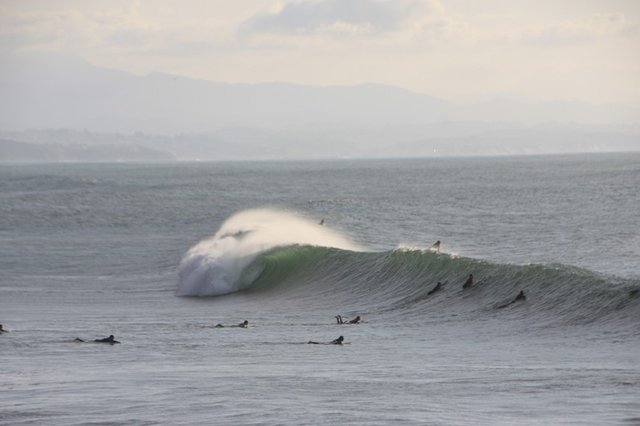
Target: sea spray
column 221, row 264
column 262, row 250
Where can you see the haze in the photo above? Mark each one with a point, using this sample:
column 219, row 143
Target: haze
column 318, row 79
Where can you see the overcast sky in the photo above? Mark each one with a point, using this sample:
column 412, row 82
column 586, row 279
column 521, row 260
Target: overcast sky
column 455, row 49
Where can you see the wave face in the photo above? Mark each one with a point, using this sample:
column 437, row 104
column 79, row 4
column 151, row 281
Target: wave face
column 224, row 263
column 267, row 252
column 397, row 283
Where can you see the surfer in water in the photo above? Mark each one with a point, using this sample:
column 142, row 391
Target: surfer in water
column 243, row 324
column 468, row 283
column 436, row 247
column 109, row 339
column 337, row 341
column 356, row 320
column 321, row 222
column 438, row 287
column 2, row 330
column 519, row 297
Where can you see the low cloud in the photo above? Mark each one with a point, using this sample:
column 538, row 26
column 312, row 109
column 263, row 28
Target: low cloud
column 124, row 29
column 341, row 17
column 580, row 30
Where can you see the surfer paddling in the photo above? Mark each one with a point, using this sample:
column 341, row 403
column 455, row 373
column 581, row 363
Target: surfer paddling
column 356, row 320
column 438, row 287
column 519, row 297
column 468, row 283
column 243, row 324
column 111, row 340
column 337, row 341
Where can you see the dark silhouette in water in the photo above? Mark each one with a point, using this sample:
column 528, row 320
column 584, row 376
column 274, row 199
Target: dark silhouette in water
column 2, row 330
column 436, row 246
column 468, row 283
column 519, row 297
column 438, row 287
column 109, row 339
column 243, row 324
column 321, row 222
column 337, row 341
column 356, row 320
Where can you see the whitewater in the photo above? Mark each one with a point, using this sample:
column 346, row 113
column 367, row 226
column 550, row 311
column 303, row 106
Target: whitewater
column 223, row 263
column 262, row 249
column 157, row 255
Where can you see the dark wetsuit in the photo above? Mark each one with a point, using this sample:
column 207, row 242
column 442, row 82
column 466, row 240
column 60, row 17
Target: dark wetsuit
column 469, row 282
column 518, row 298
column 356, row 320
column 436, row 288
column 244, row 324
column 337, row 341
column 109, row 339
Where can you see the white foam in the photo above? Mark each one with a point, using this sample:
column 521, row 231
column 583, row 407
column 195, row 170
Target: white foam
column 215, row 266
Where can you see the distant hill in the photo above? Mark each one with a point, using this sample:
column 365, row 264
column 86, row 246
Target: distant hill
column 17, row 152
column 319, row 143
column 53, row 91
column 61, row 108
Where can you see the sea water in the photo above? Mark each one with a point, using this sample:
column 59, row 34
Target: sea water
column 158, row 254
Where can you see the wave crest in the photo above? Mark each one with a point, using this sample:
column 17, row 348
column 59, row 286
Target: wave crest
column 224, row 263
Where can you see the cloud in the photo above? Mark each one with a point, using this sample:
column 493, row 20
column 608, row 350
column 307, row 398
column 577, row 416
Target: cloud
column 340, row 17
column 421, row 24
column 123, row 28
column 579, row 30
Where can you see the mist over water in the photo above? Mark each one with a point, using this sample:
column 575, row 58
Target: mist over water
column 262, row 249
column 245, row 195
column 219, row 264
column 93, row 250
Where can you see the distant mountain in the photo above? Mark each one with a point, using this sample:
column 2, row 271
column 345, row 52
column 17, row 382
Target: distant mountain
column 61, row 108
column 525, row 141
column 67, row 92
column 314, row 143
column 17, row 152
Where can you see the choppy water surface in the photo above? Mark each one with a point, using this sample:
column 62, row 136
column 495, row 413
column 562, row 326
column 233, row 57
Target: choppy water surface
column 159, row 254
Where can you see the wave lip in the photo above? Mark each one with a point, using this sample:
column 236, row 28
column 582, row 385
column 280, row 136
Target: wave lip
column 225, row 264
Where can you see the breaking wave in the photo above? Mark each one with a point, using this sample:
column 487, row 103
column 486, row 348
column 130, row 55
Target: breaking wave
column 273, row 252
column 224, row 263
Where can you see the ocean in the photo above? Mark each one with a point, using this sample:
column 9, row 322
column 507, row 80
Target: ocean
column 159, row 254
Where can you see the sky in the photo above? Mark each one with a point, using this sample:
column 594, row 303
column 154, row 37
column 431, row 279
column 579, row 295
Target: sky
column 454, row 49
